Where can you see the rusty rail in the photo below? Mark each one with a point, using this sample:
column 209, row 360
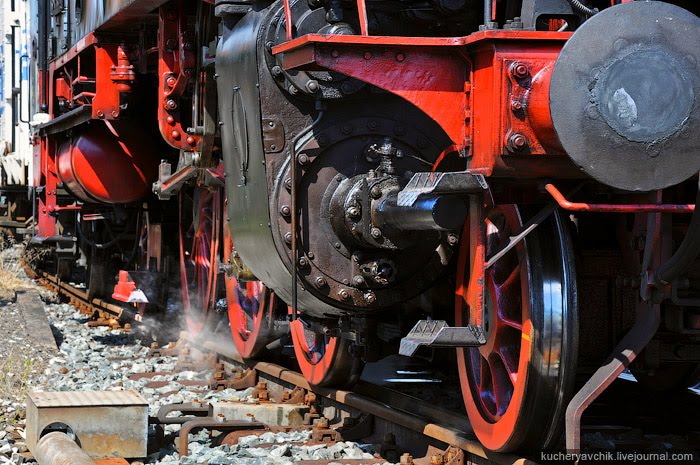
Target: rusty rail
column 428, row 423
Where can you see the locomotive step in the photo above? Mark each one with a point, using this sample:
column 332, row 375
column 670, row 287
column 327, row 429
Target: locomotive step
column 437, row 333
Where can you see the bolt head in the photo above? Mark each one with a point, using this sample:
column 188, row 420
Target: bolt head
column 277, row 71
column 288, row 184
column 370, row 297
column 303, row 262
column 303, row 159
column 288, row 238
column 312, row 86
column 344, row 294
column 520, row 70
column 285, row 210
column 517, row 141
column 320, row 282
column 452, row 239
column 376, row 233
column 353, row 212
column 358, row 280
column 375, row 192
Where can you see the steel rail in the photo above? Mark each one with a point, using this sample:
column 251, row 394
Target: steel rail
column 424, row 418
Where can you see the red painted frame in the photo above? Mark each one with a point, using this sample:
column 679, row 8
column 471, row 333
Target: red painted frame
column 488, row 91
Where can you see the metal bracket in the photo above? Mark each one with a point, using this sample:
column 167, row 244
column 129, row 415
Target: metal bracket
column 441, row 183
column 437, row 333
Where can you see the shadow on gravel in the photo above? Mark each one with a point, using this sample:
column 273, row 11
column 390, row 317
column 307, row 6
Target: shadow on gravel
column 116, row 339
column 57, row 335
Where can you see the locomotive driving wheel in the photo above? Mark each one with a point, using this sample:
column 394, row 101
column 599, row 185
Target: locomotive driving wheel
column 251, row 308
column 324, row 360
column 200, row 231
column 516, row 387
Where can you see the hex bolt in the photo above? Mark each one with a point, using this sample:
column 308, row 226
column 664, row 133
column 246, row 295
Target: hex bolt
column 171, row 44
column 285, row 210
column 336, row 245
column 375, row 192
column 288, row 238
column 517, row 141
column 519, row 70
column 277, row 71
column 303, row 262
column 346, row 128
column 344, row 294
column 320, row 282
column 170, row 104
column 372, row 125
column 376, row 233
column 171, row 81
column 321, row 423
column 303, row 159
column 422, row 142
column 293, row 90
column 358, row 280
column 312, row 86
column 516, row 105
column 288, row 184
column 370, row 297
column 354, row 211
column 452, row 239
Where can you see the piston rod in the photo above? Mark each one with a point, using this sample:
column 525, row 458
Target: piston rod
column 433, row 212
column 58, row 449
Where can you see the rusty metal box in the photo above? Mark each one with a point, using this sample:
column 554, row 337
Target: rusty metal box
column 105, row 423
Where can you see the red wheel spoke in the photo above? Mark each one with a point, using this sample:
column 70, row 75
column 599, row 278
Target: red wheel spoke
column 510, row 362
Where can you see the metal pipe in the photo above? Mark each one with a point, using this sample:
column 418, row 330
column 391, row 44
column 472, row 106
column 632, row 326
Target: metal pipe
column 648, row 318
column 488, row 12
column 58, row 449
column 435, row 212
column 612, row 208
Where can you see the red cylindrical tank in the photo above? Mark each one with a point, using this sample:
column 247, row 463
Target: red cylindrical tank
column 108, row 162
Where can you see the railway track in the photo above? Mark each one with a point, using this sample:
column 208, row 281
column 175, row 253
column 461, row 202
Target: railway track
column 369, row 412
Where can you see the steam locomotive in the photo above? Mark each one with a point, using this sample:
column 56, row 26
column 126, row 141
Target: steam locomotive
column 511, row 180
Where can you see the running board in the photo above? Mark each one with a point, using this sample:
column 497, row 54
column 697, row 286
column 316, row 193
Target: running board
column 437, row 333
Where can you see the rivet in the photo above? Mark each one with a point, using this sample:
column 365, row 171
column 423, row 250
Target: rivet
column 368, row 56
column 335, row 53
column 175, row 135
column 400, row 57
